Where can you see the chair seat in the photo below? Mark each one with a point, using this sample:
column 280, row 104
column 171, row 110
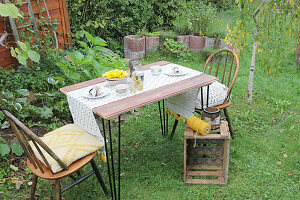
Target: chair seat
column 225, row 105
column 48, row 174
column 217, row 95
column 69, row 143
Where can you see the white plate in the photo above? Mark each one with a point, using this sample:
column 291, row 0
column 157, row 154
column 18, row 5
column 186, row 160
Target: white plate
column 86, row 94
column 180, row 73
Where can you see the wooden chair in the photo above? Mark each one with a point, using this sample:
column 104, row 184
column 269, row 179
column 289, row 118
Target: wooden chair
column 227, row 76
column 225, row 65
column 24, row 135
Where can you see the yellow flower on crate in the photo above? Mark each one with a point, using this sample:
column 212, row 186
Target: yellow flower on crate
column 115, row 74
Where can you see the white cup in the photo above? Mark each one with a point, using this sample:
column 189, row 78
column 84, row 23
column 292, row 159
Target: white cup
column 121, row 88
column 155, row 69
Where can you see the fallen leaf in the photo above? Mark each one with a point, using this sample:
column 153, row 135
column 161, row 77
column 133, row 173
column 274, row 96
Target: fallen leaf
column 163, row 163
column 290, row 174
column 281, row 130
column 137, row 145
column 279, row 162
column 2, row 181
column 14, row 180
column 248, row 166
column 18, row 184
column 13, row 167
column 297, row 121
column 285, row 155
column 29, row 183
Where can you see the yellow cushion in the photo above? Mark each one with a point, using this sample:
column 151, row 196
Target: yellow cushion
column 69, row 143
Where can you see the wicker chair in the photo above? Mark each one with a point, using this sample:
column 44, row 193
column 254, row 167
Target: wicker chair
column 225, row 65
column 36, row 149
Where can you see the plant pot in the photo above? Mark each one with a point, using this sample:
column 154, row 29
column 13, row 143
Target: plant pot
column 209, row 42
column 151, row 43
column 197, row 43
column 185, row 39
column 134, row 48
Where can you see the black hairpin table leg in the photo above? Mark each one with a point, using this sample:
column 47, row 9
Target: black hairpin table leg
column 160, row 117
column 107, row 159
column 112, row 159
column 119, row 156
column 164, row 118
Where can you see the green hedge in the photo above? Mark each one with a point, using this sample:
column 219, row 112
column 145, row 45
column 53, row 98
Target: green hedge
column 113, row 19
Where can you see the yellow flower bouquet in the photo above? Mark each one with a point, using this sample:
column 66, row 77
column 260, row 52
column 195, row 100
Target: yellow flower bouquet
column 115, row 77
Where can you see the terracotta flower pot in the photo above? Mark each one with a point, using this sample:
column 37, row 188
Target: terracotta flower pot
column 134, row 48
column 151, row 43
column 185, row 39
column 197, row 43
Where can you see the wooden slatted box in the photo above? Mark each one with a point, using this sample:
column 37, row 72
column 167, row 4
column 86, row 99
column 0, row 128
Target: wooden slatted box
column 207, row 163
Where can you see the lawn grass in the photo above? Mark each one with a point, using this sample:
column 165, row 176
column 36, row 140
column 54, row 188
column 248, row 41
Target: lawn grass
column 264, row 156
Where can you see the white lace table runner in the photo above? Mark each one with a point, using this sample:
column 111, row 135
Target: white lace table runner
column 81, row 107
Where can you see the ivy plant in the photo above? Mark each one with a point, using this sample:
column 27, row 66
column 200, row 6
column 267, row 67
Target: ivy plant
column 5, row 148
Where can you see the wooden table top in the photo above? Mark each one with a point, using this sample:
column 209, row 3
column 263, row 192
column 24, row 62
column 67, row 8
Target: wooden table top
column 115, row 108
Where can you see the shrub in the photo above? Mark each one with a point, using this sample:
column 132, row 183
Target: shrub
column 112, row 20
column 200, row 16
column 174, row 47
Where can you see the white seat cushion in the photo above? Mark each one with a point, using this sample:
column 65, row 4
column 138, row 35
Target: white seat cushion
column 69, row 143
column 217, row 95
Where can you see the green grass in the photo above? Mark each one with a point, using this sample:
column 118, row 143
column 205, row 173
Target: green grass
column 264, row 156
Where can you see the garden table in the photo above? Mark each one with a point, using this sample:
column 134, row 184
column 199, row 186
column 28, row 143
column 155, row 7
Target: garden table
column 112, row 106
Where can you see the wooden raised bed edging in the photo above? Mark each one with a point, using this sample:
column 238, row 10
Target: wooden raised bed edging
column 134, row 48
column 197, row 43
column 151, row 44
column 185, row 39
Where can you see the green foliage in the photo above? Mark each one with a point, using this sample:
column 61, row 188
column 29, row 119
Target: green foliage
column 112, row 20
column 174, row 48
column 277, row 23
column 182, row 25
column 44, row 105
column 217, row 28
column 167, row 35
column 200, row 16
column 25, row 53
column 91, row 61
column 207, row 51
column 6, row 148
column 9, row 10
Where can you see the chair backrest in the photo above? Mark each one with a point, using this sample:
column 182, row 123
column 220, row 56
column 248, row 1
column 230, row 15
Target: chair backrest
column 23, row 135
column 225, row 65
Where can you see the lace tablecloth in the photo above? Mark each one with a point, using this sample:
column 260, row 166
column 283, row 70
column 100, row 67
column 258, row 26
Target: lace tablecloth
column 81, row 107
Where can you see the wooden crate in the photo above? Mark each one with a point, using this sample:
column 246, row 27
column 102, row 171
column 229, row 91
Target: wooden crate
column 207, row 163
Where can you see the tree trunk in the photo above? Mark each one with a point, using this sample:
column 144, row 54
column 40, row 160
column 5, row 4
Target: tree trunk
column 252, row 67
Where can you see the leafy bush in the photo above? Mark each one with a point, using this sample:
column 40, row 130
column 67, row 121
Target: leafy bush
column 216, row 29
column 223, row 4
column 112, row 20
column 207, row 51
column 164, row 35
column 174, row 47
column 200, row 16
column 90, row 62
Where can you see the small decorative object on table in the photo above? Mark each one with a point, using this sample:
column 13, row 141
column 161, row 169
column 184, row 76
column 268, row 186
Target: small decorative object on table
column 115, row 77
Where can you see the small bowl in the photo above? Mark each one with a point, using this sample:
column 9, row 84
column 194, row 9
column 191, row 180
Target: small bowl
column 155, row 69
column 115, row 81
column 121, row 88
